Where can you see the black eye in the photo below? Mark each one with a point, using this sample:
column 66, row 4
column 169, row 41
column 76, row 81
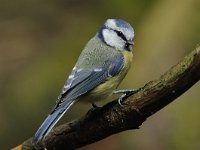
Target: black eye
column 127, row 46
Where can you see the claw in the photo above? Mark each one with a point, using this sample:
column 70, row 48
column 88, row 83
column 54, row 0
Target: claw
column 121, row 98
column 124, row 93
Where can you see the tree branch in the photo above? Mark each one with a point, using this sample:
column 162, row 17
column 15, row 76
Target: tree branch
column 113, row 118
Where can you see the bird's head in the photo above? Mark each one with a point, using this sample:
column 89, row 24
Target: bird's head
column 117, row 33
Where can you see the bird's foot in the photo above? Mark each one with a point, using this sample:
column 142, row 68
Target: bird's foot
column 125, row 93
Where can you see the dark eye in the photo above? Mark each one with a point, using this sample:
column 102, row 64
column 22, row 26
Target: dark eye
column 127, row 46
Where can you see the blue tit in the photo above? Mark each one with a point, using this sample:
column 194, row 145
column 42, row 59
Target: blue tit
column 100, row 68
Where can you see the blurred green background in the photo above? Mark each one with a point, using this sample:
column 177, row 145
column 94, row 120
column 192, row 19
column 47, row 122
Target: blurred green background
column 40, row 41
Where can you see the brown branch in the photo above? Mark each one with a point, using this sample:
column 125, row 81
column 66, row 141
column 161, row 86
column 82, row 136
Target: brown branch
column 113, row 118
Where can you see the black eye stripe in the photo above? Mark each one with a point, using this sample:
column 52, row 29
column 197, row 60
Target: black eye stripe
column 119, row 33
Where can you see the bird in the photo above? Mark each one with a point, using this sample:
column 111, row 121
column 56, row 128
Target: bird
column 100, row 68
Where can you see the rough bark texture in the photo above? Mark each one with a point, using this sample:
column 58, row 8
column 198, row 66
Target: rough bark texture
column 113, row 118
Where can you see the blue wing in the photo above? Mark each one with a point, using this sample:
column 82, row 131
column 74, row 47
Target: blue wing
column 85, row 80
column 79, row 82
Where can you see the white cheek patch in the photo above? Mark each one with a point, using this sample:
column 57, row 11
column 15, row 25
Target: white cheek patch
column 112, row 39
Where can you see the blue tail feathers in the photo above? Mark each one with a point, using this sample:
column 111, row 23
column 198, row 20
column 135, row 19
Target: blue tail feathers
column 46, row 126
column 49, row 123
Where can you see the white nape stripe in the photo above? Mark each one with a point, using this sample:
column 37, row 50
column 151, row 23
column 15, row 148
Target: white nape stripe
column 111, row 38
column 97, row 69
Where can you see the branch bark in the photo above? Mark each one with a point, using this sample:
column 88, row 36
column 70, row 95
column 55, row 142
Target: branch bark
column 113, row 118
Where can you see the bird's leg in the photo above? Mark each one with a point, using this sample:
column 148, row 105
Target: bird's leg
column 124, row 93
column 93, row 110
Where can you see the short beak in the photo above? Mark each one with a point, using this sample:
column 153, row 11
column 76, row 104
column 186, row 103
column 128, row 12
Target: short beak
column 130, row 43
